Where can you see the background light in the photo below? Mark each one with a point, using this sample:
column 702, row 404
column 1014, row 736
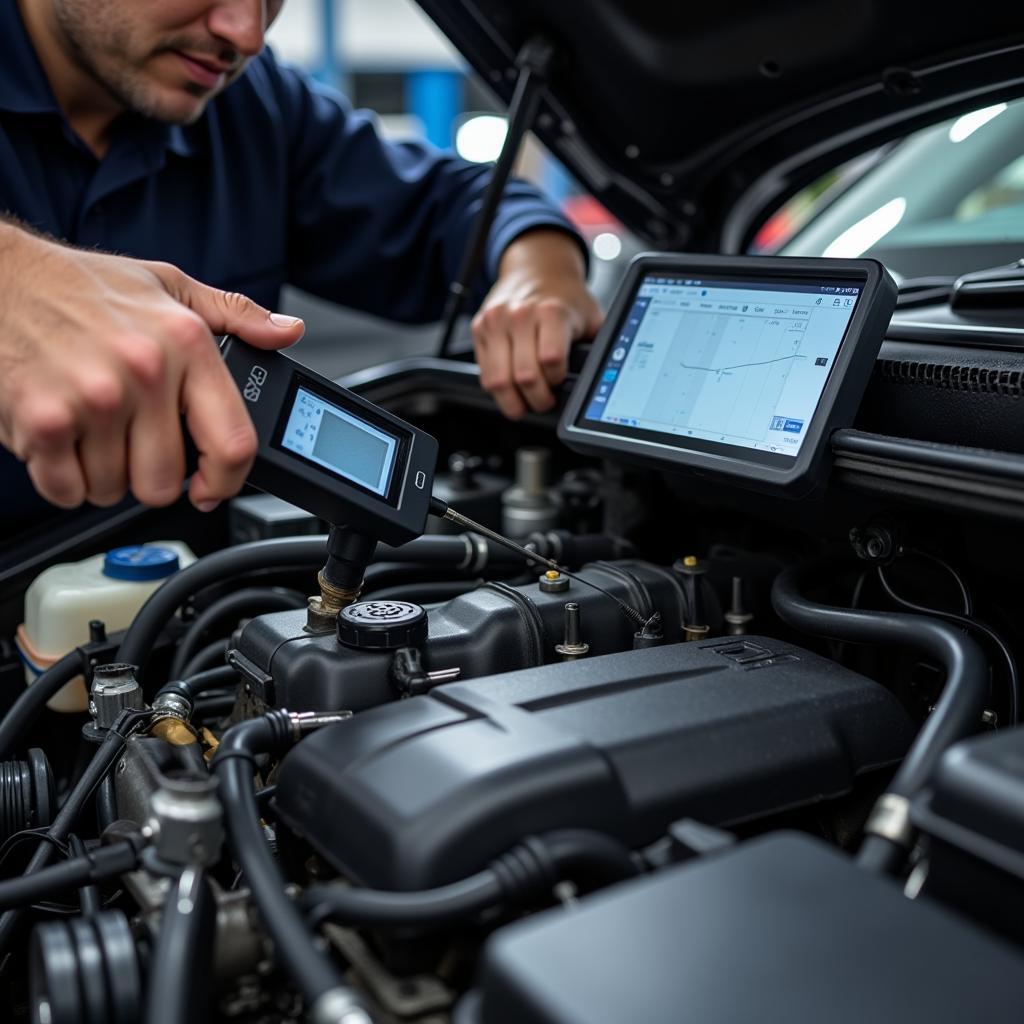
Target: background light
column 480, row 138
column 607, row 246
column 859, row 237
column 964, row 127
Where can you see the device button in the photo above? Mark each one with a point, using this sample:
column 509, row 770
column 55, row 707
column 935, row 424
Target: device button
column 420, row 480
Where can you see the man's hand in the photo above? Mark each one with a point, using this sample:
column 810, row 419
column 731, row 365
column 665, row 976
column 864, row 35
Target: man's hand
column 99, row 357
column 537, row 308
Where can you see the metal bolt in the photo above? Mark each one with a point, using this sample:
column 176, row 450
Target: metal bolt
column 572, row 645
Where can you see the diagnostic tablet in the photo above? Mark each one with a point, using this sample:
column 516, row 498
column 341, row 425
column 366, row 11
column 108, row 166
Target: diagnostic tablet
column 736, row 367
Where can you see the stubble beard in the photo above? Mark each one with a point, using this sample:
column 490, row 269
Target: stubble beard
column 97, row 39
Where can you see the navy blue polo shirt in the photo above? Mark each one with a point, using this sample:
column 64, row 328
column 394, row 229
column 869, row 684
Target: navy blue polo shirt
column 279, row 181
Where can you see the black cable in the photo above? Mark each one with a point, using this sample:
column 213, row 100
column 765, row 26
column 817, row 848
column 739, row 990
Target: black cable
column 32, row 700
column 179, row 976
column 88, row 895
column 442, row 510
column 972, row 626
column 959, row 709
column 107, row 754
column 228, row 610
column 965, row 594
column 308, row 965
column 105, row 862
column 35, row 834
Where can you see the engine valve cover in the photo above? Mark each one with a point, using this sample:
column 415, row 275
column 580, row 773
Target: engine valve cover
column 426, row 791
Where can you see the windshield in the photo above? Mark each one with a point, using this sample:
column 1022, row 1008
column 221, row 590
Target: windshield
column 944, row 201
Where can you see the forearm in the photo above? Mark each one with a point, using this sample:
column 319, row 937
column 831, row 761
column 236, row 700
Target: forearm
column 546, row 252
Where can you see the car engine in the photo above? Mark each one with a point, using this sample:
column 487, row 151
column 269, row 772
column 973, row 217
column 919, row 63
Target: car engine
column 678, row 751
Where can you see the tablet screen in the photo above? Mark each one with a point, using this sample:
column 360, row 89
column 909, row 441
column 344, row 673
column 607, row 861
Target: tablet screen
column 718, row 361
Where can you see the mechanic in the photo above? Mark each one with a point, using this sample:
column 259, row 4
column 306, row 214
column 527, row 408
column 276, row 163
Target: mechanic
column 119, row 133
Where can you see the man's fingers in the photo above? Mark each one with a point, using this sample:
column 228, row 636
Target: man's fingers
column 230, row 312
column 44, row 435
column 156, row 457
column 57, row 476
column 493, row 347
column 526, row 369
column 554, row 336
column 221, row 429
column 102, row 455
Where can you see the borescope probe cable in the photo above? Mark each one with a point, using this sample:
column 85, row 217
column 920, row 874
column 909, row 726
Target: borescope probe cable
column 442, row 510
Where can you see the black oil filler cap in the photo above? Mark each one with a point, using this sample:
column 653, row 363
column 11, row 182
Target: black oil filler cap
column 382, row 625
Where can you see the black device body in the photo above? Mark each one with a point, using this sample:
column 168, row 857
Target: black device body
column 391, row 507
column 428, row 790
column 845, row 372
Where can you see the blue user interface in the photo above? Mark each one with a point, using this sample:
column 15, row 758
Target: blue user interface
column 732, row 362
column 339, row 442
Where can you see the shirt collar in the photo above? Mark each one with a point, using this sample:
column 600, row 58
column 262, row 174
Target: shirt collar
column 25, row 89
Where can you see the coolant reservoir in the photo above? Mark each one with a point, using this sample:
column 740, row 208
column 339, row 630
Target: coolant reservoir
column 61, row 601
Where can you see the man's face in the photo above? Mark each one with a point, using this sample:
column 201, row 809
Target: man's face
column 164, row 59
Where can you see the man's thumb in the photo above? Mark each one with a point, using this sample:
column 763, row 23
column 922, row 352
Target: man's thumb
column 234, row 313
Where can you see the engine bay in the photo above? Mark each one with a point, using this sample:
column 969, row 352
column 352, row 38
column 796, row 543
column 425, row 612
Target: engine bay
column 690, row 734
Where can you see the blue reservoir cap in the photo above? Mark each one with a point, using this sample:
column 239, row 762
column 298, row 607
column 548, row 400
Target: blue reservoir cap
column 140, row 563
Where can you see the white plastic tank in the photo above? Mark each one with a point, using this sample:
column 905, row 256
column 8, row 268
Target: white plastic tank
column 62, row 600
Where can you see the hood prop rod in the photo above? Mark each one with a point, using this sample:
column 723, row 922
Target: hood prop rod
column 532, row 65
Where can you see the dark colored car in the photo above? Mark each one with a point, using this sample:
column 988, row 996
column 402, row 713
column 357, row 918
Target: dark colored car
column 709, row 751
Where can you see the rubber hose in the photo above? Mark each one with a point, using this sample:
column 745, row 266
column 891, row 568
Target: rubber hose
column 372, row 908
column 286, row 552
column 210, row 656
column 102, row 761
column 31, row 701
column 106, row 803
column 230, row 608
column 959, row 710
column 574, row 849
column 202, row 682
column 106, row 862
column 179, row 976
column 567, row 850
column 310, row 968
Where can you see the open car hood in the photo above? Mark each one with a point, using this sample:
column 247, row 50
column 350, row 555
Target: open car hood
column 690, row 121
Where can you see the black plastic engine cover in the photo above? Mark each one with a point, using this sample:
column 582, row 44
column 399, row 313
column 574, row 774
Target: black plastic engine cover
column 495, row 628
column 782, row 930
column 424, row 792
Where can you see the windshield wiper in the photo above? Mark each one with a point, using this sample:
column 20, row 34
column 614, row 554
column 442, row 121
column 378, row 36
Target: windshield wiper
column 999, row 288
column 924, row 291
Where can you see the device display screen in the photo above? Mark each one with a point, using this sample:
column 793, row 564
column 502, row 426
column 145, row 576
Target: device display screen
column 340, row 442
column 716, row 361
